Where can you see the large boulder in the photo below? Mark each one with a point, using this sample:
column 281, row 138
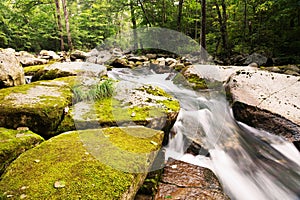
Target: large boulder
column 49, row 55
column 11, row 72
column 15, row 142
column 265, row 100
column 39, row 106
column 206, row 76
column 78, row 55
column 256, row 58
column 27, row 59
column 181, row 180
column 64, row 69
column 107, row 163
column 131, row 105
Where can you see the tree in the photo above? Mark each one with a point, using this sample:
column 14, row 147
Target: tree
column 203, row 24
column 60, row 29
column 66, row 16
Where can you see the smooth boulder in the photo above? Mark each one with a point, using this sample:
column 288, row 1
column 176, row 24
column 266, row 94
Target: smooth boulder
column 11, row 72
column 265, row 100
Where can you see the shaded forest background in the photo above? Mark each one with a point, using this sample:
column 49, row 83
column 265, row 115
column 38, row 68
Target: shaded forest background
column 224, row 28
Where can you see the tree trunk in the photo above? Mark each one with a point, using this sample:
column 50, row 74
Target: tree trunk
column 66, row 15
column 60, row 29
column 222, row 18
column 203, row 24
column 134, row 26
column 179, row 17
column 245, row 19
column 144, row 11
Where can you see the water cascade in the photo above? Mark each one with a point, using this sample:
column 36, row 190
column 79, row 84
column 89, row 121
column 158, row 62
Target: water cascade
column 250, row 163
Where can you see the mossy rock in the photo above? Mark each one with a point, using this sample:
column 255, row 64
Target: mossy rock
column 158, row 110
column 32, row 70
column 15, row 142
column 57, row 70
column 39, row 106
column 194, row 81
column 81, row 165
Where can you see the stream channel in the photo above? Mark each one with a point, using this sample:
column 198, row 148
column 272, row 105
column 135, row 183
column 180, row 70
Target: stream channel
column 250, row 163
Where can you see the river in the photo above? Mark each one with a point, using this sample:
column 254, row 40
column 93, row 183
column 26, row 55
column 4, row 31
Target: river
column 250, row 163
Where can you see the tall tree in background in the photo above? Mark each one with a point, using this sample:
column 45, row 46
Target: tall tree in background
column 66, row 15
column 60, row 29
column 203, row 24
column 134, row 24
column 179, row 16
column 222, row 18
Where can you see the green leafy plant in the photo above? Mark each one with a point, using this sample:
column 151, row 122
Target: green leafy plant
column 97, row 91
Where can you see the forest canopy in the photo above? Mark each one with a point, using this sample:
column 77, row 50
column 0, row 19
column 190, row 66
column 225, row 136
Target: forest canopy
column 224, row 28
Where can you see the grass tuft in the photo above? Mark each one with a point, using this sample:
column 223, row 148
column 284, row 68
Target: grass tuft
column 98, row 91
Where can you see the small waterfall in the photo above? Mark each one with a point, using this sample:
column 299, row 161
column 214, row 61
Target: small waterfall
column 28, row 79
column 251, row 164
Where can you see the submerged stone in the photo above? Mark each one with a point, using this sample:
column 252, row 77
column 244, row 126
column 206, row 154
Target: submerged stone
column 15, row 142
column 107, row 163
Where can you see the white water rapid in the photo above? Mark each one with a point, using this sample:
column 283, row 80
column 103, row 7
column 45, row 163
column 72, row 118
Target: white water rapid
column 250, row 163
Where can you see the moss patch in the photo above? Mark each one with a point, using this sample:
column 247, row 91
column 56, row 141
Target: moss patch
column 39, row 106
column 30, row 71
column 15, row 142
column 65, row 159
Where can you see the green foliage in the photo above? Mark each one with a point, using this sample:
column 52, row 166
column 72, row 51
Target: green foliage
column 95, row 92
column 266, row 26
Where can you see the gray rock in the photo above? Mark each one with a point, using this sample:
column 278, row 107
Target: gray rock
column 11, row 72
column 256, row 58
column 44, row 54
column 27, row 59
column 265, row 100
column 77, row 54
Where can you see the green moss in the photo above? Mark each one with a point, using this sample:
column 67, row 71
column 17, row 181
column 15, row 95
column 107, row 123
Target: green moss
column 30, row 71
column 197, row 83
column 15, row 142
column 64, row 158
column 171, row 105
column 43, row 113
column 156, row 91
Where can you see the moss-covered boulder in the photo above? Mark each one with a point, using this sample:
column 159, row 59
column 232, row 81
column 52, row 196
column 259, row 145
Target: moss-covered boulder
column 58, row 70
column 15, row 142
column 89, row 164
column 39, row 106
column 142, row 105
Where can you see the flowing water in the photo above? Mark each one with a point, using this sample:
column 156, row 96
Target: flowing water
column 250, row 163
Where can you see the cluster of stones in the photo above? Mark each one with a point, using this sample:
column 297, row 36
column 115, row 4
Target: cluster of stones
column 69, row 158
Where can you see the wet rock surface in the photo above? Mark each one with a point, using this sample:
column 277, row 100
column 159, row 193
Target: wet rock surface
column 181, row 180
column 269, row 101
